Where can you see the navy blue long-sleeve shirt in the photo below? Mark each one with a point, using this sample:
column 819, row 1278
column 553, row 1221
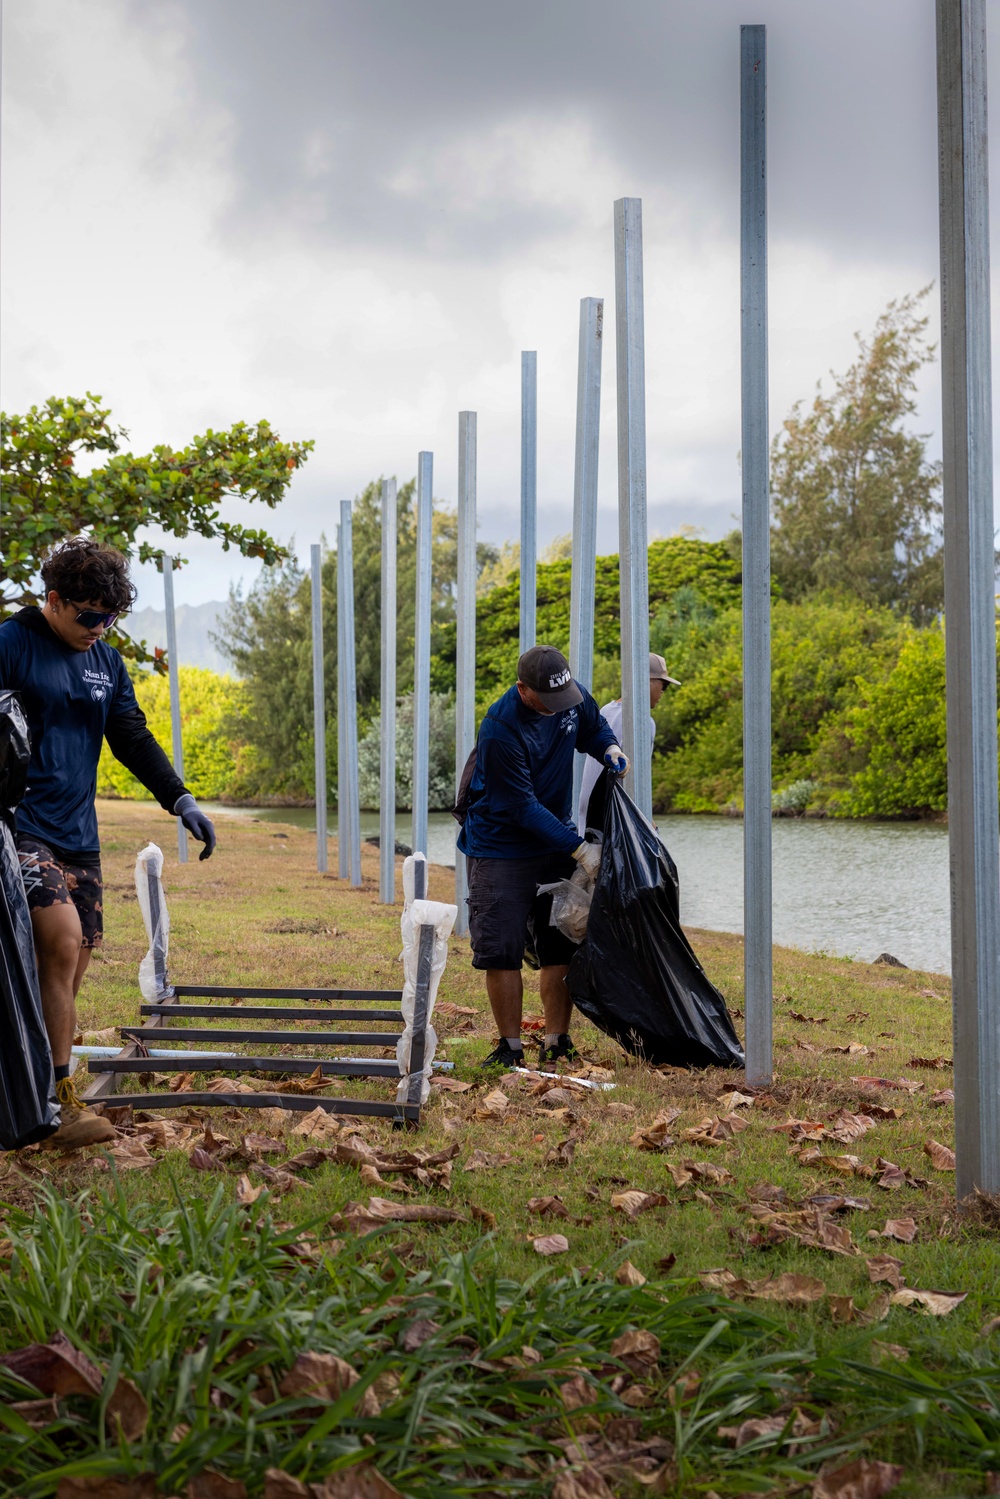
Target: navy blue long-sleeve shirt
column 73, row 700
column 521, row 792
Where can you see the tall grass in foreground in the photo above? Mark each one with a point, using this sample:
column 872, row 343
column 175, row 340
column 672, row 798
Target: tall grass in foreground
column 206, row 1307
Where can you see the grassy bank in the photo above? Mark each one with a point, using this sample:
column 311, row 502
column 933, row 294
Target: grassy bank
column 739, row 1196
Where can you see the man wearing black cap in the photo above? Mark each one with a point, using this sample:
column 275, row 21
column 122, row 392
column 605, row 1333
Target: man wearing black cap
column 519, row 833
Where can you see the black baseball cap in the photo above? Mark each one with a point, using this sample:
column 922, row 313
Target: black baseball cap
column 546, row 671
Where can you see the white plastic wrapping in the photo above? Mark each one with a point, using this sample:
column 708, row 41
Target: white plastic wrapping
column 416, row 914
column 153, row 980
column 411, row 865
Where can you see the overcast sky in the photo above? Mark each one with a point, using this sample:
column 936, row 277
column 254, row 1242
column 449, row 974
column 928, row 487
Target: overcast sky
column 350, row 216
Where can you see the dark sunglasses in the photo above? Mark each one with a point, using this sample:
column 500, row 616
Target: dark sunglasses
column 91, row 618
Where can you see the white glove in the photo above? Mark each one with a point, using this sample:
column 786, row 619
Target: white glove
column 615, row 757
column 588, row 855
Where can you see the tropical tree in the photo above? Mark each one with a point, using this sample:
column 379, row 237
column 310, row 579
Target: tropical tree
column 855, row 501
column 49, row 494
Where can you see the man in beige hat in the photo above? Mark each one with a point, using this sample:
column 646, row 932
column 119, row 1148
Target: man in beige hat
column 612, row 713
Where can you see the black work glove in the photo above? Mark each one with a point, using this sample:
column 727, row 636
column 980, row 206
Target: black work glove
column 197, row 824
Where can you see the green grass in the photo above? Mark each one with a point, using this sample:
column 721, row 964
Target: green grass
column 205, row 1307
column 221, row 912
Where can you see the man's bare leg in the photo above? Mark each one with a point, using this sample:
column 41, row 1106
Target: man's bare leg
column 62, row 960
column 505, row 991
column 557, row 1002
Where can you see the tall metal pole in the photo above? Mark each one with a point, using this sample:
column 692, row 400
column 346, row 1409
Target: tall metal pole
column 529, row 496
column 465, row 654
column 756, row 559
column 970, row 632
column 632, row 536
column 588, row 433
column 173, row 667
column 319, row 704
column 387, row 778
column 343, row 817
column 346, row 601
column 422, row 651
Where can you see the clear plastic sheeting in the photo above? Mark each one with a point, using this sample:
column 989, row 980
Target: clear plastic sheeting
column 426, row 926
column 153, row 981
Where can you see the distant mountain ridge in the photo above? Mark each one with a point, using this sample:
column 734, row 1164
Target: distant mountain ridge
column 194, row 624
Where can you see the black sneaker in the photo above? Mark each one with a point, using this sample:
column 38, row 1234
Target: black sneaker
column 503, row 1056
column 563, row 1049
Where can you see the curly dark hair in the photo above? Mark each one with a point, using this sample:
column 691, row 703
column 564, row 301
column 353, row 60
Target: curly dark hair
column 82, row 570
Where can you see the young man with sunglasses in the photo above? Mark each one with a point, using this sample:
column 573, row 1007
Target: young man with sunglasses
column 76, row 692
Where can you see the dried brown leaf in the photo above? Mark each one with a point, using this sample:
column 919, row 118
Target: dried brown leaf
column 903, row 1229
column 861, row 1479
column 211, row 1485
column 482, row 1160
column 548, row 1207
column 415, row 1334
column 633, row 1203
column 581, row 1483
column 55, row 1368
column 360, row 1482
column 127, row 1412
column 325, row 1377
column 940, row 1156
column 885, row 1267
column 842, row 1309
column 281, row 1485
column 934, row 1303
column 550, row 1244
column 143, row 1486
column 638, row 1347
column 940, row 1099
column 628, row 1275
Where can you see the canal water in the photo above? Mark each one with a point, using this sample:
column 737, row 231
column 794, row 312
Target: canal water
column 854, row 889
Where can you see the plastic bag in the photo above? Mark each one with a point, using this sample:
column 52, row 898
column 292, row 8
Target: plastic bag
column 154, row 981
column 571, row 904
column 636, row 976
column 28, row 1107
column 440, row 919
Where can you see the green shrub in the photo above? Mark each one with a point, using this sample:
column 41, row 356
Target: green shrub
column 210, row 707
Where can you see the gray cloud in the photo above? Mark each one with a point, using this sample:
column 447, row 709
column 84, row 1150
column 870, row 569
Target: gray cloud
column 335, row 103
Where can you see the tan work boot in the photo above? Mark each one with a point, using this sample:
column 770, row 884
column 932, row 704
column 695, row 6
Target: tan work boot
column 80, row 1126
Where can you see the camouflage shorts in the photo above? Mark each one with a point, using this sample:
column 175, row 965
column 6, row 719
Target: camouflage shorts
column 51, row 881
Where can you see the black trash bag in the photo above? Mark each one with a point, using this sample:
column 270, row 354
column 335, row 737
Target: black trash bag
column 15, row 750
column 636, row 976
column 28, row 1107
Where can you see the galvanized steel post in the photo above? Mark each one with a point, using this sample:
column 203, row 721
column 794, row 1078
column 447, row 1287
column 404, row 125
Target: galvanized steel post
column 173, row 666
column 970, row 613
column 529, row 496
column 465, row 655
column 756, row 559
column 346, row 602
column 343, row 820
column 422, row 651
column 319, row 704
column 387, row 777
column 588, row 434
column 632, row 538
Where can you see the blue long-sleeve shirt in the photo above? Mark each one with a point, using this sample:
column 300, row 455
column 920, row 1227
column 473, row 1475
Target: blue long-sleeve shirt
column 73, row 700
column 521, row 792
